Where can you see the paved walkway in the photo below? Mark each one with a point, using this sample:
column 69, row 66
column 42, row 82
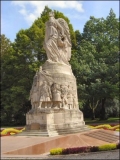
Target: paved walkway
column 35, row 147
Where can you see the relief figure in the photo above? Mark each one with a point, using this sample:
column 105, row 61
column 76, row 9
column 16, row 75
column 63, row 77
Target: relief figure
column 34, row 92
column 56, row 95
column 70, row 97
column 45, row 94
column 64, row 91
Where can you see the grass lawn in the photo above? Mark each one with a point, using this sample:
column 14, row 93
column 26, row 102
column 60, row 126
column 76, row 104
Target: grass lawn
column 109, row 120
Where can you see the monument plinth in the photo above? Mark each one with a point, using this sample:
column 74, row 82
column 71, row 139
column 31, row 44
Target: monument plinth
column 53, row 95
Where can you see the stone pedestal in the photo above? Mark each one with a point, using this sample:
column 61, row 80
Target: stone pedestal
column 59, row 111
column 54, row 122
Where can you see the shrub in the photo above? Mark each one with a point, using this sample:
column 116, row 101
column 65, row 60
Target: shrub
column 94, row 149
column 118, row 145
column 85, row 149
column 76, row 150
column 104, row 125
column 107, row 147
column 7, row 131
column 56, row 151
column 65, row 151
column 118, row 129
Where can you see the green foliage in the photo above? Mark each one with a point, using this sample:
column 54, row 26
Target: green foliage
column 112, row 108
column 56, row 151
column 95, row 63
column 107, row 147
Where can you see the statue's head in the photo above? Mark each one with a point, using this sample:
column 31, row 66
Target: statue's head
column 51, row 14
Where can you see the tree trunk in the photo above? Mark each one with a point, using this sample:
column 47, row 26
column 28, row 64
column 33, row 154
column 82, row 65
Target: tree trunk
column 102, row 113
column 93, row 114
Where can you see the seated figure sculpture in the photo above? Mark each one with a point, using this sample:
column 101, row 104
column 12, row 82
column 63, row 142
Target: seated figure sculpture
column 57, row 42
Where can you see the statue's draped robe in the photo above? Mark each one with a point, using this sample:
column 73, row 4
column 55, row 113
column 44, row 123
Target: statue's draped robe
column 56, row 49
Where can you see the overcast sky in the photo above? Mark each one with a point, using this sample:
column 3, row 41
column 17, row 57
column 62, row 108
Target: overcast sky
column 16, row 15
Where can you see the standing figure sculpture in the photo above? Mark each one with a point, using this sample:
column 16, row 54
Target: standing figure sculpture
column 45, row 94
column 70, row 97
column 57, row 40
column 64, row 91
column 56, row 95
column 34, row 92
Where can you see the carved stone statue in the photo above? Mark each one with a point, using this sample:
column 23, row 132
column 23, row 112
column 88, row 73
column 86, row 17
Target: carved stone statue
column 45, row 94
column 64, row 91
column 56, row 95
column 34, row 92
column 70, row 97
column 57, row 40
column 53, row 95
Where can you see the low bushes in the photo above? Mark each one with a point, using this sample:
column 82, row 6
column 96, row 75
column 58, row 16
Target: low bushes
column 11, row 131
column 106, row 126
column 56, row 151
column 106, row 147
column 118, row 146
column 94, row 149
column 76, row 150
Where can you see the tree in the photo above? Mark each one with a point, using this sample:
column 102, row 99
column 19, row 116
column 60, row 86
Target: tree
column 100, row 44
column 6, row 48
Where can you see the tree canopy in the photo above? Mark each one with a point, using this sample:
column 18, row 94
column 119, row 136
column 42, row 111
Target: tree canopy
column 94, row 61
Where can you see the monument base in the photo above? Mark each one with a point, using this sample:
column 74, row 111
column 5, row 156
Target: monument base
column 53, row 122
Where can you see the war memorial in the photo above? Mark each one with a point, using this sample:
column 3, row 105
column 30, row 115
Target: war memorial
column 53, row 95
column 55, row 119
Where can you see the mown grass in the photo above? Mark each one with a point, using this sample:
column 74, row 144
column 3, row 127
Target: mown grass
column 97, row 120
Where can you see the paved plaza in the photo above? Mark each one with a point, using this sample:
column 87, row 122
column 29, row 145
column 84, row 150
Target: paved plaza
column 26, row 147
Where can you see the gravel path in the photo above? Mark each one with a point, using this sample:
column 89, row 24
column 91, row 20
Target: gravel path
column 90, row 156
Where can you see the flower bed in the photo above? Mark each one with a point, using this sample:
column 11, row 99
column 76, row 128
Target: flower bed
column 106, row 126
column 10, row 131
column 85, row 149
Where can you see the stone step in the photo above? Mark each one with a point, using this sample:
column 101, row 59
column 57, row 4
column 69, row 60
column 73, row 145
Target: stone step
column 75, row 130
column 52, row 133
column 102, row 135
column 37, row 133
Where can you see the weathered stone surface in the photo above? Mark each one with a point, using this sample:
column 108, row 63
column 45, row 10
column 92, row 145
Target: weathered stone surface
column 53, row 94
column 35, row 126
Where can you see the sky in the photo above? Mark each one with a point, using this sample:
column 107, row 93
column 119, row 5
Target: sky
column 16, row 15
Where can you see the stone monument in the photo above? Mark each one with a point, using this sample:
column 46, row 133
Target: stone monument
column 53, row 95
